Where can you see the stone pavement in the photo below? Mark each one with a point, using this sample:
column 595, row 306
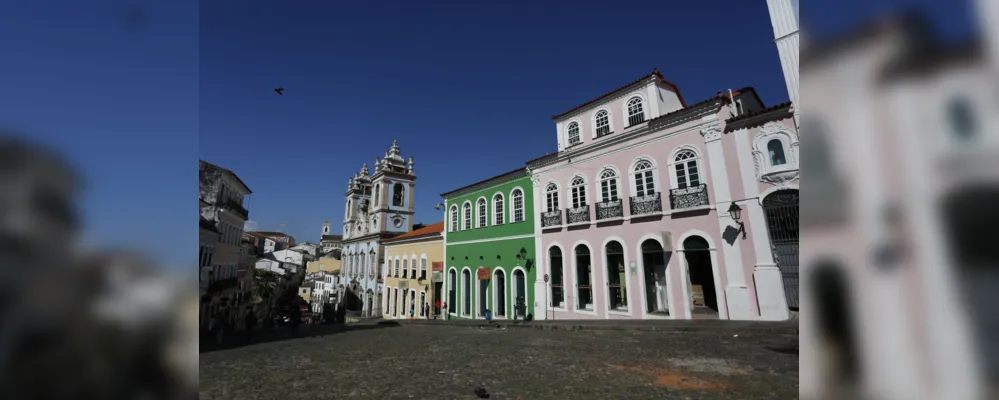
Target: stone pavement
column 789, row 326
column 449, row 360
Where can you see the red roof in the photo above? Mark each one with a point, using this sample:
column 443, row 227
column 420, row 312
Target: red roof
column 655, row 72
column 426, row 230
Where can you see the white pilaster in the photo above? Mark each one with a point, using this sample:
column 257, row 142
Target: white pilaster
column 541, row 300
column 653, row 97
column 736, row 291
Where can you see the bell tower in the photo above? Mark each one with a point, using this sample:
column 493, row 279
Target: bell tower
column 326, row 227
column 394, row 184
column 357, row 205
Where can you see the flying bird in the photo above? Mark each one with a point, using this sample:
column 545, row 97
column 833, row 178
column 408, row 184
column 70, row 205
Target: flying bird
column 279, row 90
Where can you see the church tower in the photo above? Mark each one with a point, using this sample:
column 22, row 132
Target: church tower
column 784, row 18
column 326, row 228
column 357, row 204
column 394, row 184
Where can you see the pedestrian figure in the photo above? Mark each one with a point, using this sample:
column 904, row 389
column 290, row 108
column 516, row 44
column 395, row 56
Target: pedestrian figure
column 437, row 308
column 444, row 310
column 412, row 311
column 426, row 311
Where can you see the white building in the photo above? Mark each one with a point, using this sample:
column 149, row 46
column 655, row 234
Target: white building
column 329, row 242
column 378, row 207
column 221, row 197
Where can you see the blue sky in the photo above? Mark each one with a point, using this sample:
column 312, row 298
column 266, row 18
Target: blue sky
column 135, row 91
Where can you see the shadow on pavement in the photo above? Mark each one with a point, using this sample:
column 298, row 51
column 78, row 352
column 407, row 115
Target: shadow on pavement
column 239, row 339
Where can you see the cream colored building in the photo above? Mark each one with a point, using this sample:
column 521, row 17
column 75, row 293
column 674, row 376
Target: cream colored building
column 328, row 264
column 408, row 272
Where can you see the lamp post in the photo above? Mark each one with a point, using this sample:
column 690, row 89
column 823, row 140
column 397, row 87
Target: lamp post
column 735, row 212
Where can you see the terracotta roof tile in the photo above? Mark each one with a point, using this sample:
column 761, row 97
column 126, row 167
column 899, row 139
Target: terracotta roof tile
column 655, row 72
column 427, row 230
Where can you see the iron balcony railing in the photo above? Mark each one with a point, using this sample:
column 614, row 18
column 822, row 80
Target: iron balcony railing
column 551, row 218
column 648, row 204
column 689, row 197
column 610, row 209
column 577, row 215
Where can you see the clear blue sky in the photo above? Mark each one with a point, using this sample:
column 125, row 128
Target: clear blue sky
column 135, row 91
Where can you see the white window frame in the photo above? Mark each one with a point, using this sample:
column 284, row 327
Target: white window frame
column 412, row 266
column 549, row 196
column 593, row 121
column 501, row 212
column 601, row 180
column 481, row 212
column 789, row 141
column 627, row 112
column 701, row 173
column 570, row 187
column 405, row 267
column 633, row 171
column 466, row 217
column 454, row 218
column 513, row 206
column 568, row 133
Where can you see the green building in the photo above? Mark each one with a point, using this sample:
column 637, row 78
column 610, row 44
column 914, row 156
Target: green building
column 489, row 248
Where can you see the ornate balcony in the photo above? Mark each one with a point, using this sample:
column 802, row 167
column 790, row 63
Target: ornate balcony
column 577, row 215
column 690, row 197
column 610, row 209
column 648, row 204
column 551, row 218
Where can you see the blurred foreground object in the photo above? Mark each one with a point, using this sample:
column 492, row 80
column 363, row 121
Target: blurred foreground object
column 107, row 325
column 900, row 257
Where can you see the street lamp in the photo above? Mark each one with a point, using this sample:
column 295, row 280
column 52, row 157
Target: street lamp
column 735, row 212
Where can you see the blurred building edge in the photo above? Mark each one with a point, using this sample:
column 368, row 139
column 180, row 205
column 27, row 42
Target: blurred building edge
column 225, row 266
column 39, row 189
column 899, row 123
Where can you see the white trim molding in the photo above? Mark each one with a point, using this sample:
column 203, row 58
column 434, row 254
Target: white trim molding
column 629, row 307
column 780, row 175
column 670, row 304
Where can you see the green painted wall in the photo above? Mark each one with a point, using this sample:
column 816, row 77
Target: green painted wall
column 525, row 227
column 497, row 253
column 492, row 247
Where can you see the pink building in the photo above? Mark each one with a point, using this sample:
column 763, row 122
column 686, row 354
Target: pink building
column 635, row 208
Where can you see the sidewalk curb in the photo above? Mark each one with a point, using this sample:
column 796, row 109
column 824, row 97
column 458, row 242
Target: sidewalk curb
column 780, row 327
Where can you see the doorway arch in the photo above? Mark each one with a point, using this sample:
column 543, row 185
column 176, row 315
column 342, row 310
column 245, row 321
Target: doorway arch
column 700, row 275
column 519, row 291
column 656, row 285
column 499, row 293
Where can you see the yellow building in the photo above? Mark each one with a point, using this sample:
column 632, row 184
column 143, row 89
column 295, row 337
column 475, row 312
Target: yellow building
column 411, row 286
column 327, row 264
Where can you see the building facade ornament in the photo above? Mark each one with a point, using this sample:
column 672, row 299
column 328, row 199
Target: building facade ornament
column 781, row 175
column 536, row 180
column 711, row 132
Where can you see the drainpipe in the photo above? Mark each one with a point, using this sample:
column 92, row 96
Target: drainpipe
column 731, row 106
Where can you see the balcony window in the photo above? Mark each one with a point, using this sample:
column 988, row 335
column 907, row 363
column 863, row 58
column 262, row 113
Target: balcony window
column 608, row 185
column 577, row 192
column 687, row 171
column 602, row 122
column 481, row 205
column 466, row 210
column 517, row 198
column 551, row 197
column 636, row 113
column 573, row 133
column 498, row 209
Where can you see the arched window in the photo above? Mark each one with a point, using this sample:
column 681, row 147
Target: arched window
column 498, row 209
column 644, row 175
column 378, row 187
column 557, row 277
column 687, row 172
column 396, row 267
column 776, row 150
column 617, row 279
column 608, row 185
column 412, row 264
column 423, row 267
column 466, row 209
column 346, row 212
column 961, row 118
column 573, row 133
column 551, row 197
column 584, row 281
column 602, row 121
column 398, row 190
column 577, row 192
column 517, row 200
column 481, row 205
column 405, row 267
column 636, row 114
column 454, row 218
column 373, row 263
column 364, row 262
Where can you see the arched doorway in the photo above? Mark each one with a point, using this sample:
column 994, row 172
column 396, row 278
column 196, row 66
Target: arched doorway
column 702, row 280
column 781, row 211
column 466, row 292
column 519, row 293
column 654, row 269
column 969, row 218
column 499, row 293
column 483, row 295
column 369, row 309
column 452, row 293
column 836, row 332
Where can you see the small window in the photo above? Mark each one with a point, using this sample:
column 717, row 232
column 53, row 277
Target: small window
column 602, row 120
column 467, row 210
column 551, row 197
column 636, row 114
column 578, row 192
column 573, row 132
column 498, row 209
column 776, row 150
column 481, row 205
column 517, row 198
column 608, row 185
column 397, row 192
column 961, row 118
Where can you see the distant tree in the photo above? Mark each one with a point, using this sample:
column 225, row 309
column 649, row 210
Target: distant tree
column 419, row 225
